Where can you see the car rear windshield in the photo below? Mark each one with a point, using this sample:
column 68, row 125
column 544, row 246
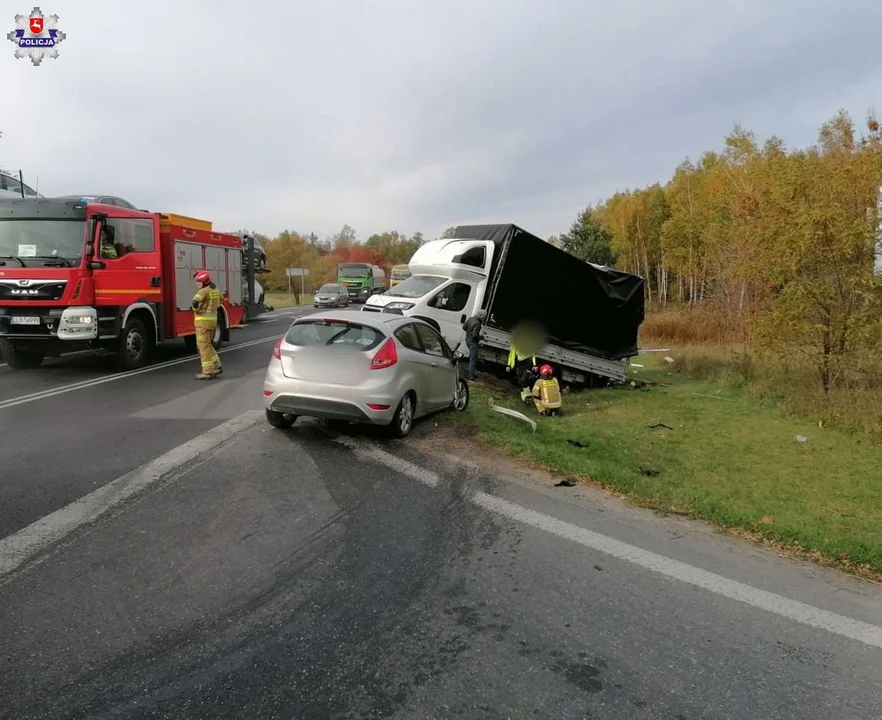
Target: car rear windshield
column 335, row 333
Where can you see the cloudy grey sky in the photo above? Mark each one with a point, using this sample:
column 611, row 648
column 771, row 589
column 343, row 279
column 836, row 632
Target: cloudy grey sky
column 411, row 114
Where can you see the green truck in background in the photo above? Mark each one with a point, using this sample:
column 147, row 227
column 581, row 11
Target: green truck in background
column 361, row 280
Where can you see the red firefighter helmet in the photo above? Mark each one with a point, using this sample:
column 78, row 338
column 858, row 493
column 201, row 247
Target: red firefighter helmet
column 546, row 371
column 203, row 276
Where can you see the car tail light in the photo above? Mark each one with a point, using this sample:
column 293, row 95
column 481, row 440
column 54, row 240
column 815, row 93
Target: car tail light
column 386, row 356
column 374, row 406
column 277, row 350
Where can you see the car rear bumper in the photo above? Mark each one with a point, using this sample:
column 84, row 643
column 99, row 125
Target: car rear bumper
column 329, row 409
column 375, row 406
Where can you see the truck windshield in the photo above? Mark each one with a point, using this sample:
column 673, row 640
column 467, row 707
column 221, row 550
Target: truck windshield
column 354, row 271
column 416, row 286
column 401, row 274
column 36, row 243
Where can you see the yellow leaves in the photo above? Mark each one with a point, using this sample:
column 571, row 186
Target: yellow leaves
column 784, row 238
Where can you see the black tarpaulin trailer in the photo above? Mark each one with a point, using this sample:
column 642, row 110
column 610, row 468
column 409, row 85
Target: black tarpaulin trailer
column 583, row 307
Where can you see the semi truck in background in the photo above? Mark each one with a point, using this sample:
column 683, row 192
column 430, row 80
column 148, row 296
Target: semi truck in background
column 361, row 280
column 81, row 275
column 589, row 314
column 398, row 273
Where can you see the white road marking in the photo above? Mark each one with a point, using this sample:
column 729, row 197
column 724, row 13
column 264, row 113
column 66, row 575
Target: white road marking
column 19, row 548
column 369, row 451
column 741, row 592
column 52, row 392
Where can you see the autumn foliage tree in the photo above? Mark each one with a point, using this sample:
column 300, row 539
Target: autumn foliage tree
column 777, row 244
column 321, row 257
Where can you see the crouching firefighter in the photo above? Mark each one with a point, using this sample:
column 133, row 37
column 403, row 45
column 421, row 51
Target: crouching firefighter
column 546, row 392
column 206, row 301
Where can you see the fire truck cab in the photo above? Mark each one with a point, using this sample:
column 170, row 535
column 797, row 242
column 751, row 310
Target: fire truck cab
column 76, row 274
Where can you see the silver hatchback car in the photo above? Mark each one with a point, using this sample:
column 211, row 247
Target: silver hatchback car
column 377, row 368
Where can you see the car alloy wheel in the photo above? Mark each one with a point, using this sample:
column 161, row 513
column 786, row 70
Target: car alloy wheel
column 461, row 400
column 405, row 420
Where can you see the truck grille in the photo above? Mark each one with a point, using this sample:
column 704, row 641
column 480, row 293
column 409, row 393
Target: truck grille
column 24, row 290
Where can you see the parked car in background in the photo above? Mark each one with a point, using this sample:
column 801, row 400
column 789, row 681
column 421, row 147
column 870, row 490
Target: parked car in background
column 379, row 368
column 102, row 199
column 331, row 295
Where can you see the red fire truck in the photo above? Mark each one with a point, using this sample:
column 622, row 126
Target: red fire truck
column 76, row 275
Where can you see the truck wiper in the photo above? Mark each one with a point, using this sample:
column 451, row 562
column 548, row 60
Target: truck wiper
column 64, row 261
column 14, row 257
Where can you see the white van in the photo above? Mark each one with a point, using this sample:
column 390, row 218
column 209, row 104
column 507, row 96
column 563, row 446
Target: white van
column 447, row 285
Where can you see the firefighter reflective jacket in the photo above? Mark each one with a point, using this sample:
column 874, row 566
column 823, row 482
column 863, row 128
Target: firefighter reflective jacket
column 548, row 392
column 205, row 304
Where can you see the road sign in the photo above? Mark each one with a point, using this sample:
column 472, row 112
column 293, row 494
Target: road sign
column 297, row 272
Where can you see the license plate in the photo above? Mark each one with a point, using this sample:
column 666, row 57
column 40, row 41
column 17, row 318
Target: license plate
column 25, row 320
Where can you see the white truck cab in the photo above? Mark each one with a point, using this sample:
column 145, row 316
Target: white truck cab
column 447, row 285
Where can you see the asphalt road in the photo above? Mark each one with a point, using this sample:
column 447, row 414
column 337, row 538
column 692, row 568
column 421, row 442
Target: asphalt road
column 328, row 573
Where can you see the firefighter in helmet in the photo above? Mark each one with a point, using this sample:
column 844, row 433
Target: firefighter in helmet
column 546, row 392
column 206, row 301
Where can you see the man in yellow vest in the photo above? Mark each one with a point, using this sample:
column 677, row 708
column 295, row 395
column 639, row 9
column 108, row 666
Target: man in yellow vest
column 524, row 366
column 546, row 392
column 206, row 301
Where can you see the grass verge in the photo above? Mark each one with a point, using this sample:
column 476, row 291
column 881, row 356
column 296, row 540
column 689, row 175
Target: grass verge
column 284, row 300
column 725, row 456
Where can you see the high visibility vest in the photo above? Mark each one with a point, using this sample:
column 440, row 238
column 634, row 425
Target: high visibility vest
column 514, row 354
column 206, row 302
column 548, row 392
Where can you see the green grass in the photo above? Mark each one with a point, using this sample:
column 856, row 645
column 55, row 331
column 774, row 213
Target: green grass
column 730, row 459
column 283, row 300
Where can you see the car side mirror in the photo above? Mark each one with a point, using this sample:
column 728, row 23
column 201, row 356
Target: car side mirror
column 97, row 265
column 457, row 356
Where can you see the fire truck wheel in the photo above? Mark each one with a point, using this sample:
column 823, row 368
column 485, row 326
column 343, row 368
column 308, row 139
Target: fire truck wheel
column 20, row 359
column 134, row 346
column 218, row 338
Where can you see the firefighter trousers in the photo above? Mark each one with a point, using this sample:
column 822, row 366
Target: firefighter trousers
column 543, row 408
column 211, row 363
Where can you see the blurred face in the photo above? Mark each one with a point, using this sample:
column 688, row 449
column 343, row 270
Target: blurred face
column 529, row 338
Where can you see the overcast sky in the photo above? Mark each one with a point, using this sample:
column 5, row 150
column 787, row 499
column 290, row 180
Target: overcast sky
column 416, row 114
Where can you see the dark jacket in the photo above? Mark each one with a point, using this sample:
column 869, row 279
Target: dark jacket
column 472, row 328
